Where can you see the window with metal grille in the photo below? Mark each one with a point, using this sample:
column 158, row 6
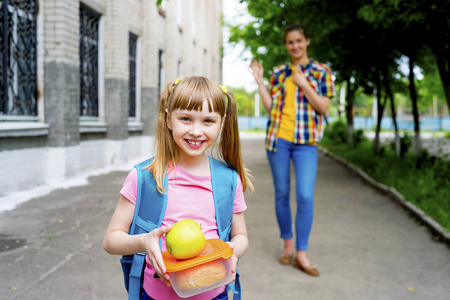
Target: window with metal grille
column 18, row 46
column 89, row 22
column 132, row 44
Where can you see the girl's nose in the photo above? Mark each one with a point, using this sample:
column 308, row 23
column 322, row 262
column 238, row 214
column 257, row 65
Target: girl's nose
column 196, row 130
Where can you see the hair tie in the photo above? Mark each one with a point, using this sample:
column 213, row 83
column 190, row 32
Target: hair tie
column 224, row 89
column 173, row 87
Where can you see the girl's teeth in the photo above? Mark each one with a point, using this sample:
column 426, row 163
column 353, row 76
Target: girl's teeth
column 193, row 143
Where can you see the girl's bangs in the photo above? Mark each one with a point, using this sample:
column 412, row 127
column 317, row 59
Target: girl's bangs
column 191, row 94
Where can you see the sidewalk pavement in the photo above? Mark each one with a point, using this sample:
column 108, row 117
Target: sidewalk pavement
column 365, row 245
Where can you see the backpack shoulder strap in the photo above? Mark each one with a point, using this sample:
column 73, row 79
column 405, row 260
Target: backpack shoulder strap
column 150, row 203
column 224, row 181
column 148, row 215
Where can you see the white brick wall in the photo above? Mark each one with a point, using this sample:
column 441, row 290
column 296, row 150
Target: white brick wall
column 116, row 40
column 135, row 16
column 58, row 41
column 149, row 44
column 61, row 31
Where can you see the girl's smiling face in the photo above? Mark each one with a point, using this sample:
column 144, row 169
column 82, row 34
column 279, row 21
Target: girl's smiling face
column 194, row 131
column 296, row 44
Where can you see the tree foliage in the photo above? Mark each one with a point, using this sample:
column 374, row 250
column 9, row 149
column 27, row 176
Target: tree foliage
column 244, row 101
column 357, row 38
column 362, row 40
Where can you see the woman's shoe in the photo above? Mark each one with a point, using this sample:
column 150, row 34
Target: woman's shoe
column 310, row 270
column 286, row 259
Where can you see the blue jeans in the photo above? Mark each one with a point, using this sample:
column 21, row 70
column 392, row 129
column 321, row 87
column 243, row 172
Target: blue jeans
column 304, row 158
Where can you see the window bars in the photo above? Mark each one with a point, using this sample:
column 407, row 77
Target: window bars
column 18, row 46
column 132, row 44
column 89, row 22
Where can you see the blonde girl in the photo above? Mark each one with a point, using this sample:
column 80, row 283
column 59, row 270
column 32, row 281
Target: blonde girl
column 193, row 112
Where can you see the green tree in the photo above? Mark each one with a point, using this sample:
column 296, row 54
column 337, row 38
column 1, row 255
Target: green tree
column 429, row 87
column 362, row 41
column 425, row 22
column 244, row 101
column 354, row 49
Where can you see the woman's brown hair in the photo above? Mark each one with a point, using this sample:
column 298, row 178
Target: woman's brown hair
column 295, row 27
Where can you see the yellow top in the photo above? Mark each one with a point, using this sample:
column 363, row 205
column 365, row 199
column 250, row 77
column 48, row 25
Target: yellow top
column 287, row 125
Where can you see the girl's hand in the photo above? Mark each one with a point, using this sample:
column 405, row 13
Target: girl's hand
column 299, row 78
column 234, row 261
column 153, row 251
column 257, row 71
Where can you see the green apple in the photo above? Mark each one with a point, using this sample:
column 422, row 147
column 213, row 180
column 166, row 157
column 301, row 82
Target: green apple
column 185, row 240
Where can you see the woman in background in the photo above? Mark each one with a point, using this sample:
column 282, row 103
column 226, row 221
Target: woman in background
column 299, row 96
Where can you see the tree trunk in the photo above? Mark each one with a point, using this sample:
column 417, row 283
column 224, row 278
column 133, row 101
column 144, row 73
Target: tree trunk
column 413, row 95
column 380, row 109
column 342, row 95
column 387, row 86
column 349, row 110
column 441, row 115
column 442, row 54
column 326, row 120
column 394, row 120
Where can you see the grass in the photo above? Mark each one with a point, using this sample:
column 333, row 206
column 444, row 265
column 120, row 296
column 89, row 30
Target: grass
column 423, row 180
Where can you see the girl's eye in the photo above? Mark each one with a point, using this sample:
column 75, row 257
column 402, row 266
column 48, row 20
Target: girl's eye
column 185, row 119
column 210, row 121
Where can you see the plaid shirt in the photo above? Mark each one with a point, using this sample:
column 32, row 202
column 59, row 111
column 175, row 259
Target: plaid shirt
column 308, row 123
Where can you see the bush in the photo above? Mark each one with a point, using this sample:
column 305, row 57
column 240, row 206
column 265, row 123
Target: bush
column 358, row 137
column 337, row 132
column 406, row 141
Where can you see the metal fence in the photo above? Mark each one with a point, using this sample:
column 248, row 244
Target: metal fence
column 365, row 123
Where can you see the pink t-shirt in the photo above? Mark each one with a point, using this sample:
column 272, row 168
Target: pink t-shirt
column 190, row 197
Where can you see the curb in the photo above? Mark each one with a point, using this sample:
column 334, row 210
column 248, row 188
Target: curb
column 394, row 195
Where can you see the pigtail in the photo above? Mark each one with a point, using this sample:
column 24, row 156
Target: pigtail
column 230, row 143
column 165, row 151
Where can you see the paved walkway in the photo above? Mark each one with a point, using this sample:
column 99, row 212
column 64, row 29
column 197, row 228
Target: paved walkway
column 365, row 245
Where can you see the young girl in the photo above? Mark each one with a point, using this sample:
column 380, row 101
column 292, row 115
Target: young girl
column 300, row 93
column 192, row 114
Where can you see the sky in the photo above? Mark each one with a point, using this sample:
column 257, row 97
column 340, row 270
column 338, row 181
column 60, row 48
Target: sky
column 236, row 72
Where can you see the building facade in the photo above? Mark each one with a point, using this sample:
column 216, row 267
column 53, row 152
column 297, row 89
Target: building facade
column 80, row 81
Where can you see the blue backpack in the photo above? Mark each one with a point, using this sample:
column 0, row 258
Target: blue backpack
column 151, row 208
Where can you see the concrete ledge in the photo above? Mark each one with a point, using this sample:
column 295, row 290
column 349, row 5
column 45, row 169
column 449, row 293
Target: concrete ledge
column 135, row 126
column 93, row 127
column 393, row 194
column 23, row 129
